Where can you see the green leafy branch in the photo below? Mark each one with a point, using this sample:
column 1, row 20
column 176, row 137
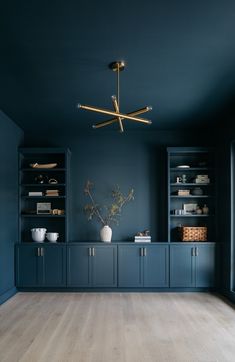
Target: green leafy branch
column 113, row 211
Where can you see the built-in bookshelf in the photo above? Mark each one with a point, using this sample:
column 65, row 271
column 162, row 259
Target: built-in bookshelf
column 39, row 186
column 191, row 190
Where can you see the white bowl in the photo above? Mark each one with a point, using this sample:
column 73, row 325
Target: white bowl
column 38, row 234
column 52, row 237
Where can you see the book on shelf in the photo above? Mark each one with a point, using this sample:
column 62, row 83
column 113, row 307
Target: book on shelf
column 35, row 193
column 202, row 179
column 142, row 239
column 52, row 192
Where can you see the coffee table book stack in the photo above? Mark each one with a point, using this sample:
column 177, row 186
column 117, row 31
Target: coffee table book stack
column 143, row 239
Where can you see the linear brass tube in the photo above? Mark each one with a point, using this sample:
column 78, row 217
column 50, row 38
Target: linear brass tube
column 115, row 114
column 105, row 123
column 113, row 120
column 116, row 107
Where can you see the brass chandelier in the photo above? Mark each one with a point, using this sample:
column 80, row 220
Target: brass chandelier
column 117, row 115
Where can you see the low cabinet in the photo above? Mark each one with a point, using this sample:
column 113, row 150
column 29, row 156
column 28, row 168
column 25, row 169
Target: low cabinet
column 91, row 265
column 40, row 265
column 192, row 265
column 143, row 266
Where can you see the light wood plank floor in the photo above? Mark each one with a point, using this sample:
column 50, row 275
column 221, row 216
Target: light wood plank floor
column 116, row 327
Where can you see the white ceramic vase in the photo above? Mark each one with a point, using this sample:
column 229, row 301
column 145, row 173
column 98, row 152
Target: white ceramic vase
column 106, row 234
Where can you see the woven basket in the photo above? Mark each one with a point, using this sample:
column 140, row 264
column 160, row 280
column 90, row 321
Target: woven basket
column 193, row 233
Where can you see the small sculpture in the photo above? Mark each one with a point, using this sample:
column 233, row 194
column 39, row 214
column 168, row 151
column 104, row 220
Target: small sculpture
column 143, row 233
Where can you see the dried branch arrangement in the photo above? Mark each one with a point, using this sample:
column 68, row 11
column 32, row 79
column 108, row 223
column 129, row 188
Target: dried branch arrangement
column 112, row 212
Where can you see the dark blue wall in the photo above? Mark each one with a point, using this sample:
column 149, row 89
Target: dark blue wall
column 135, row 159
column 11, row 137
column 225, row 137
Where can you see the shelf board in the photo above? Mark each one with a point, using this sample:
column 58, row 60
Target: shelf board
column 190, row 197
column 191, row 169
column 191, row 242
column 43, row 215
column 43, row 197
column 191, row 215
column 43, row 169
column 42, row 185
column 190, row 184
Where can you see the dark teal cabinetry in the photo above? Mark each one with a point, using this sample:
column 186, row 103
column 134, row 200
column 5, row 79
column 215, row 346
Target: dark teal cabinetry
column 205, row 265
column 78, row 265
column 192, row 265
column 40, row 265
column 130, row 266
column 156, row 266
column 143, row 265
column 92, row 265
column 123, row 265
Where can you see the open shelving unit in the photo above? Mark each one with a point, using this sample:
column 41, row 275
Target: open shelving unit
column 29, row 181
column 186, row 166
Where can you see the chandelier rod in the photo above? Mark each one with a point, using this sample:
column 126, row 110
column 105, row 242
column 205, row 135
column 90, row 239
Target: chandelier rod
column 118, row 86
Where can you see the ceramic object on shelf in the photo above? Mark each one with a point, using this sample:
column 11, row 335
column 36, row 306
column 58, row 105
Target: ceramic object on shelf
column 183, row 166
column 197, row 191
column 38, row 234
column 43, row 165
column 52, row 237
column 106, row 234
column 198, row 211
column 205, row 209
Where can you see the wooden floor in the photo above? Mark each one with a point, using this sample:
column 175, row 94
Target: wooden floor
column 110, row 327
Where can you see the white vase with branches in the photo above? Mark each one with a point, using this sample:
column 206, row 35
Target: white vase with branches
column 113, row 212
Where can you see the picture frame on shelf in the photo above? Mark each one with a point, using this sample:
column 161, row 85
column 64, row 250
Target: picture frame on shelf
column 44, row 208
column 189, row 209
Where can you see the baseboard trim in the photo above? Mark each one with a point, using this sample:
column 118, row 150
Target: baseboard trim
column 8, row 294
column 116, row 290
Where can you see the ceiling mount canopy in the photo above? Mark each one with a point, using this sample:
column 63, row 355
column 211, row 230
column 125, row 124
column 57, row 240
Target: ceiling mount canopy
column 118, row 116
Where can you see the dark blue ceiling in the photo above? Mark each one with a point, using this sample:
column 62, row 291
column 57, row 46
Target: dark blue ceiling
column 180, row 59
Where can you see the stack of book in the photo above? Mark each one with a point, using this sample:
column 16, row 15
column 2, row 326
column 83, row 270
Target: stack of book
column 52, row 192
column 35, row 193
column 202, row 179
column 143, row 239
column 183, row 192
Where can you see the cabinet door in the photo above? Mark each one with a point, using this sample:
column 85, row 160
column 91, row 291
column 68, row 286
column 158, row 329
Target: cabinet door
column 182, row 266
column 156, row 266
column 130, row 266
column 53, row 258
column 78, row 265
column 205, row 265
column 27, row 265
column 104, row 266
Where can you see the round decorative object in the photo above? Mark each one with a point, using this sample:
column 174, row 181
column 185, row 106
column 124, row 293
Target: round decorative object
column 198, row 211
column 183, row 166
column 53, row 181
column 106, row 234
column 38, row 234
column 52, row 237
column 197, row 191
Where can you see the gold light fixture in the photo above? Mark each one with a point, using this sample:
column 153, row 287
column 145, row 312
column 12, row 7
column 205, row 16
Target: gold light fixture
column 117, row 115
